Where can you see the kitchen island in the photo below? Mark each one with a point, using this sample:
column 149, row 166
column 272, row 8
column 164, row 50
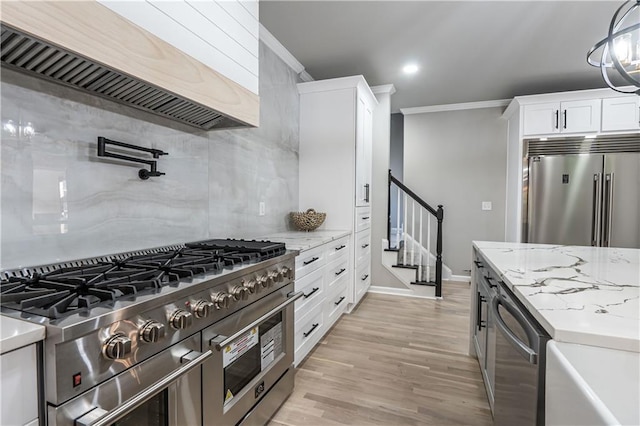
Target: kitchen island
column 586, row 300
column 586, row 295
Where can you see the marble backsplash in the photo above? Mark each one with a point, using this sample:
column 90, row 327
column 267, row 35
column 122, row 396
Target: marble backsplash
column 60, row 202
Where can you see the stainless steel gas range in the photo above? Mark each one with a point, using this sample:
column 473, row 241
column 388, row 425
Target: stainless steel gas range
column 192, row 334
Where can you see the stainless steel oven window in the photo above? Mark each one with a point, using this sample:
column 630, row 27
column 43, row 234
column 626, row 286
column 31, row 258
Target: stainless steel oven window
column 268, row 352
column 260, row 347
column 152, row 413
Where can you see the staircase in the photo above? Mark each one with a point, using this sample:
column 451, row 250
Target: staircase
column 408, row 254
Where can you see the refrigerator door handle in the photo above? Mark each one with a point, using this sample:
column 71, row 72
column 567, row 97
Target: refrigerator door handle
column 607, row 209
column 596, row 209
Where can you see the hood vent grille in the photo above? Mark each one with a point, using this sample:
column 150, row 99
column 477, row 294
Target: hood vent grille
column 27, row 54
column 581, row 145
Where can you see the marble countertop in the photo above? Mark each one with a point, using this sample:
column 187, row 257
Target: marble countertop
column 300, row 240
column 585, row 295
column 15, row 333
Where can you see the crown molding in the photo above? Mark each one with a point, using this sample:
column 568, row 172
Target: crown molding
column 282, row 52
column 305, row 76
column 384, row 89
column 456, row 107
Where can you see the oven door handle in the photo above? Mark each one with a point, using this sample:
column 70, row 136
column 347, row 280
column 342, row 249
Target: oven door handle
column 222, row 341
column 100, row 417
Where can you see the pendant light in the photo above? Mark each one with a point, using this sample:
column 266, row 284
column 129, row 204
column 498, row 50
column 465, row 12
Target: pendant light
column 620, row 51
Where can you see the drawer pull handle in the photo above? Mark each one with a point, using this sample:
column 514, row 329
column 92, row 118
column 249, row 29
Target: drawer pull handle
column 310, row 261
column 364, row 277
column 340, row 271
column 365, row 217
column 340, row 248
column 339, row 301
column 311, row 331
column 488, row 281
column 312, row 291
column 478, row 264
column 364, row 245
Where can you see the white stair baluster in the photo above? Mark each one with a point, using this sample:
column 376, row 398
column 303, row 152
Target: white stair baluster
column 404, row 230
column 398, row 220
column 413, row 233
column 420, row 249
column 429, row 247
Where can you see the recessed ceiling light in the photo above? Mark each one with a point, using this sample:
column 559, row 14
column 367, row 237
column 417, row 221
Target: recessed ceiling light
column 410, row 69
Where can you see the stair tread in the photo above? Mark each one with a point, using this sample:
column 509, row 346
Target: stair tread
column 405, row 266
column 426, row 283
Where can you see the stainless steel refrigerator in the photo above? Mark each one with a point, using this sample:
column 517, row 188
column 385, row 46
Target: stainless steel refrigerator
column 584, row 198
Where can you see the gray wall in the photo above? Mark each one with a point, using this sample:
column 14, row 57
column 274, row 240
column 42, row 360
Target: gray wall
column 396, row 162
column 458, row 159
column 380, row 276
column 59, row 201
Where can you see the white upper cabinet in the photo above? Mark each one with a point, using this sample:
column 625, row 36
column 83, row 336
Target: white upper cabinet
column 364, row 142
column 562, row 117
column 542, row 118
column 622, row 113
column 224, row 35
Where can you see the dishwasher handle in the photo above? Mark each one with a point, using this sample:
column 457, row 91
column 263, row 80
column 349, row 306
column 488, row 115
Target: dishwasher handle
column 520, row 346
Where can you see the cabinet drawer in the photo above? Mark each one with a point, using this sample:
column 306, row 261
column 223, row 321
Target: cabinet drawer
column 363, row 218
column 312, row 285
column 335, row 305
column 363, row 279
column 309, row 261
column 308, row 332
column 337, row 248
column 363, row 246
column 336, row 271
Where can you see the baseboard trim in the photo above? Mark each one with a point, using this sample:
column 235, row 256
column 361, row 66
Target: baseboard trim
column 393, row 291
column 463, row 278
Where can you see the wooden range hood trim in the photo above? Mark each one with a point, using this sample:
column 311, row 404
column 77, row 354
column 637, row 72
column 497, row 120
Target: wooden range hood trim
column 93, row 31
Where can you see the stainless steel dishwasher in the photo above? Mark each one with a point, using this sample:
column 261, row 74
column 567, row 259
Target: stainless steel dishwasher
column 520, row 362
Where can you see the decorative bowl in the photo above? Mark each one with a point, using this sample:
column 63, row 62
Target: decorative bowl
column 307, row 221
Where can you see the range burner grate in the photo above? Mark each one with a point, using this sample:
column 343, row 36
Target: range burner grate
column 58, row 291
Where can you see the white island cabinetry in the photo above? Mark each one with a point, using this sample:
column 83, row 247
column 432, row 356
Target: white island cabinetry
column 587, row 301
column 336, row 131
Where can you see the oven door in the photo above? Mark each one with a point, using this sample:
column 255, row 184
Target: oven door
column 164, row 390
column 252, row 352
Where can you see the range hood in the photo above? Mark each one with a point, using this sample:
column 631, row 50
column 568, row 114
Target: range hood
column 86, row 46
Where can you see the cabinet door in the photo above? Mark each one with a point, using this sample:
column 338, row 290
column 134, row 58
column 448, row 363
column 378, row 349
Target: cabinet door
column 621, row 113
column 364, row 146
column 580, row 116
column 541, row 119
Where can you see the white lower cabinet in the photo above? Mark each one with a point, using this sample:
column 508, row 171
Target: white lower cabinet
column 323, row 274
column 19, row 382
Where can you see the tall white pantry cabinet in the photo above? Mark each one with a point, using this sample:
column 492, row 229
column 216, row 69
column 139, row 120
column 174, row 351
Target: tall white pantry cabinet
column 336, row 131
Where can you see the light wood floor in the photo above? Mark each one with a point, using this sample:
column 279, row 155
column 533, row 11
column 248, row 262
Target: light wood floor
column 393, row 361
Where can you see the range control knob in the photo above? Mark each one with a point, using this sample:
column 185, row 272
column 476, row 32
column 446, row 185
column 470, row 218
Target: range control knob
column 286, row 272
column 262, row 280
column 270, row 279
column 202, row 308
column 240, row 292
column 117, row 346
column 253, row 286
column 278, row 276
column 222, row 300
column 180, row 319
column 151, row 331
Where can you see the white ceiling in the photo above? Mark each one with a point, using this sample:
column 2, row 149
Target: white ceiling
column 467, row 50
